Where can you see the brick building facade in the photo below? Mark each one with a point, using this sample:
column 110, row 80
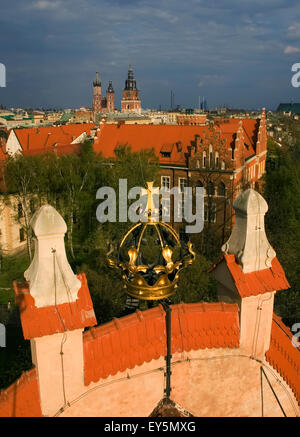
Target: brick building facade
column 131, row 96
column 101, row 103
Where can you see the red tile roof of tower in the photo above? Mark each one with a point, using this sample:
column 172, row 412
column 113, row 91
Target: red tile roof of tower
column 141, row 337
column 258, row 282
column 37, row 322
column 283, row 356
column 22, row 398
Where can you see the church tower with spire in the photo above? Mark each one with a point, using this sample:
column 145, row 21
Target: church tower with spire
column 97, row 102
column 110, row 98
column 103, row 104
column 131, row 96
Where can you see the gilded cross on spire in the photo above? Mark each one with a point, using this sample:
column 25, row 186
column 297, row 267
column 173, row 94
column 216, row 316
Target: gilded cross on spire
column 151, row 212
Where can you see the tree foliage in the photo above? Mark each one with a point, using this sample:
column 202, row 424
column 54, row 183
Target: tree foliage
column 282, row 192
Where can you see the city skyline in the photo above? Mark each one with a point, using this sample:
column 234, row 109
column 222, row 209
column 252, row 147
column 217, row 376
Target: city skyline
column 235, row 55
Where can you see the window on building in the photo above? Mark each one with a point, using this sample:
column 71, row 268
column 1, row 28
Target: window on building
column 22, row 234
column 221, row 189
column 210, row 211
column 200, row 184
column 210, row 189
column 31, row 205
column 217, row 160
column 165, row 154
column 20, row 210
column 165, row 182
column 204, row 159
column 223, row 165
column 182, row 184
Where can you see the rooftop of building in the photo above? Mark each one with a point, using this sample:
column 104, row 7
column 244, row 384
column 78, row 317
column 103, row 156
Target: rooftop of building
column 158, row 137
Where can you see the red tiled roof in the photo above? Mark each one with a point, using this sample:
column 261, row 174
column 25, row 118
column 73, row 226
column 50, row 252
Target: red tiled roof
column 59, row 149
column 283, row 356
column 43, row 138
column 37, row 322
column 254, row 283
column 140, row 137
column 164, row 138
column 141, row 337
column 22, row 398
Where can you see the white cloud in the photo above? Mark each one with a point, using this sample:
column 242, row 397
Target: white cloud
column 293, row 31
column 45, row 5
column 290, row 49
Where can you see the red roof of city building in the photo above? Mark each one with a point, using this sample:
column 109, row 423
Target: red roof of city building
column 22, row 398
column 254, row 283
column 37, row 322
column 141, row 337
column 163, row 138
column 59, row 149
column 45, row 138
column 140, row 137
column 283, row 356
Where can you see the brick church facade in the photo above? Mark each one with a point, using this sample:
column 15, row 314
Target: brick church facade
column 100, row 103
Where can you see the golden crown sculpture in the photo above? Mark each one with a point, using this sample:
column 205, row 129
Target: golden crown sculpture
column 158, row 278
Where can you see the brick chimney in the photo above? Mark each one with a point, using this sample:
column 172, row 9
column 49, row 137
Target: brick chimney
column 249, row 273
column 55, row 307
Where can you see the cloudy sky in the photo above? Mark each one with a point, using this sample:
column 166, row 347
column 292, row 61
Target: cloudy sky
column 233, row 52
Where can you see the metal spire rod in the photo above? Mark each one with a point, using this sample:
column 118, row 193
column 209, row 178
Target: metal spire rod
column 168, row 357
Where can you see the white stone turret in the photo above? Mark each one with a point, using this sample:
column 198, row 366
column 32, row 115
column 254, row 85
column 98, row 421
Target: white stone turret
column 51, row 279
column 248, row 241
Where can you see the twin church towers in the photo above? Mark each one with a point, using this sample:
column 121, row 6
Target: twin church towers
column 130, row 99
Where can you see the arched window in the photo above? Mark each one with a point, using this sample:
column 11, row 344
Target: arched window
column 210, row 156
column 204, row 159
column 210, row 212
column 221, row 189
column 217, row 160
column 210, row 189
column 200, row 184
